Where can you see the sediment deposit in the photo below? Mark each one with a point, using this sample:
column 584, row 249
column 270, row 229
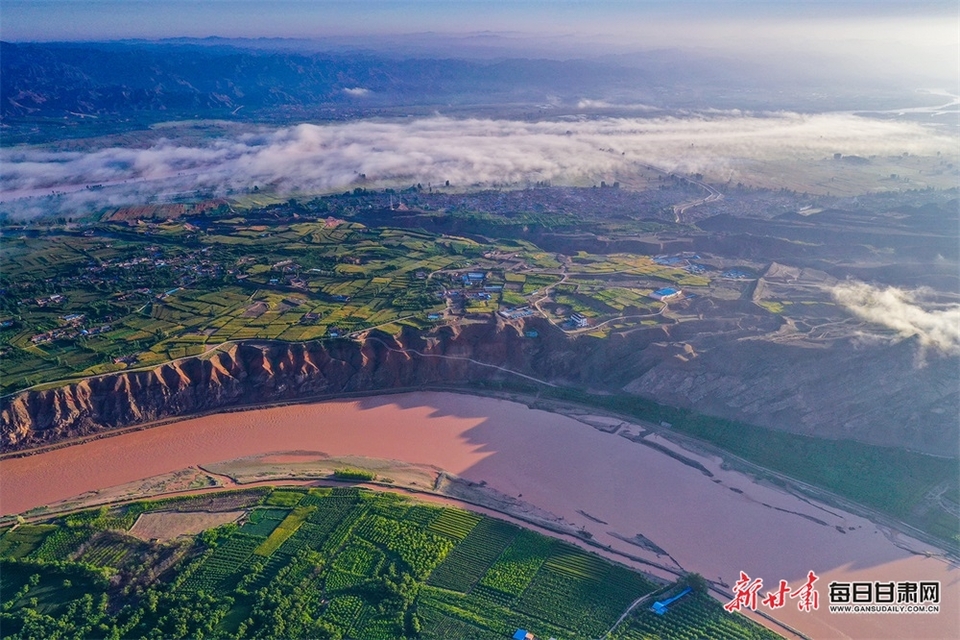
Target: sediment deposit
column 717, row 524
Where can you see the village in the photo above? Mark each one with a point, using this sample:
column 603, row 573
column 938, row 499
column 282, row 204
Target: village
column 113, row 295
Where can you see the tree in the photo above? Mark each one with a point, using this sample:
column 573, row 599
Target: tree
column 697, row 582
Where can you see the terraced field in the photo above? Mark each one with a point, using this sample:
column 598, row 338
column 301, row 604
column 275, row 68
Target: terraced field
column 117, row 295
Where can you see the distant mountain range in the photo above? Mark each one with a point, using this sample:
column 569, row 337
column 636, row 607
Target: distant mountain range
column 46, row 88
column 54, row 80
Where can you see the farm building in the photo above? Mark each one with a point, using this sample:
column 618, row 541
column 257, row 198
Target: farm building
column 579, row 320
column 523, row 634
column 667, row 293
column 736, row 274
column 661, row 607
column 513, row 314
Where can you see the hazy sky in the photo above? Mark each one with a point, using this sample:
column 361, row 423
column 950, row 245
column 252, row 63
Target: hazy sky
column 639, row 19
column 896, row 35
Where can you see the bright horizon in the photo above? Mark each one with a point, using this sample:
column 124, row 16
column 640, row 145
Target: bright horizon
column 630, row 24
column 889, row 35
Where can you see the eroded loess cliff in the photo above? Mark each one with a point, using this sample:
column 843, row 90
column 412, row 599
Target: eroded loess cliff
column 258, row 372
column 727, row 368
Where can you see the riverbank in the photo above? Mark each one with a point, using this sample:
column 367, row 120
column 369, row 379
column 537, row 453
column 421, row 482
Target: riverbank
column 716, row 523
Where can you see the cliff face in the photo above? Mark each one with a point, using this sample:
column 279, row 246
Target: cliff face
column 720, row 367
column 262, row 372
column 881, row 395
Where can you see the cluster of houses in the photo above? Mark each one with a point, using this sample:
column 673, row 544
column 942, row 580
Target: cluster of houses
column 457, row 294
column 475, row 286
column 143, row 291
column 48, row 300
column 676, row 259
column 69, row 331
column 683, row 260
column 579, row 320
column 291, row 275
column 190, row 267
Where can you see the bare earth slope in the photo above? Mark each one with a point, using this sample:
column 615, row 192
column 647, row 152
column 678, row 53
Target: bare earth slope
column 830, row 393
column 875, row 394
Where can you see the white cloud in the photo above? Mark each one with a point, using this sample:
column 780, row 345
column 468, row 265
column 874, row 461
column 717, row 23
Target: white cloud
column 356, row 92
column 311, row 157
column 588, row 104
column 904, row 312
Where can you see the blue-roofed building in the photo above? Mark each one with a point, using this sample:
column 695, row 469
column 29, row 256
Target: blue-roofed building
column 662, row 606
column 667, row 293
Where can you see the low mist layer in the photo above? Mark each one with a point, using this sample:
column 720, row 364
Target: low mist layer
column 466, row 152
column 906, row 312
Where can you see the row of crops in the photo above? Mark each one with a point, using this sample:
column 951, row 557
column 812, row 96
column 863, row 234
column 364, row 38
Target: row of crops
column 469, row 561
column 696, row 616
column 325, row 562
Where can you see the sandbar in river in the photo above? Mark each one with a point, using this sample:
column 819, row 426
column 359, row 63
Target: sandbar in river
column 557, row 464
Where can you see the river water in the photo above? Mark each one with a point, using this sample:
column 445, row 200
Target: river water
column 716, row 526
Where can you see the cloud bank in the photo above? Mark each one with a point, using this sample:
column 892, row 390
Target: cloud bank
column 314, row 158
column 903, row 312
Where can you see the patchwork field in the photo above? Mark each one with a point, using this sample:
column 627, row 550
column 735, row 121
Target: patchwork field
column 124, row 295
column 327, row 562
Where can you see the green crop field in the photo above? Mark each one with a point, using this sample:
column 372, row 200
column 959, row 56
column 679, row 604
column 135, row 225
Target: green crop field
column 470, row 560
column 287, row 527
column 342, row 563
column 517, row 565
column 121, row 296
column 82, row 305
column 693, row 617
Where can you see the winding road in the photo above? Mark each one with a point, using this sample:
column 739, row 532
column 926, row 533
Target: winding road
column 712, row 196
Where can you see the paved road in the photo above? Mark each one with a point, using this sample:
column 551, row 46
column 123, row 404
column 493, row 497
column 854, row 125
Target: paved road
column 712, row 196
